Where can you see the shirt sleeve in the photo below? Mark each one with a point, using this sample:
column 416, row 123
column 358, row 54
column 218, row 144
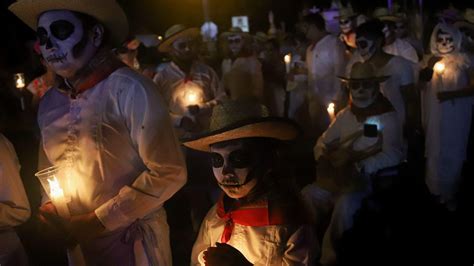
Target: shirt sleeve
column 406, row 71
column 301, row 247
column 217, row 88
column 332, row 133
column 152, row 134
column 392, row 147
column 14, row 205
column 203, row 241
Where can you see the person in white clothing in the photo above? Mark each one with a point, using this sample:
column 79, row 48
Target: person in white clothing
column 358, row 152
column 447, row 98
column 189, row 87
column 109, row 131
column 325, row 61
column 394, row 45
column 260, row 219
column 14, row 206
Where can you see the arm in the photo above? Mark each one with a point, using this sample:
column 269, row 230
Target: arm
column 14, row 205
column 329, row 136
column 153, row 136
column 203, row 241
column 218, row 93
column 301, row 248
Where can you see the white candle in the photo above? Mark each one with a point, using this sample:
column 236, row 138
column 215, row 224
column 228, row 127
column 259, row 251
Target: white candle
column 56, row 194
column 287, row 59
column 332, row 111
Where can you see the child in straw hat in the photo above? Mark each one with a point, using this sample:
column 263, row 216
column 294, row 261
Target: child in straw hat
column 260, row 219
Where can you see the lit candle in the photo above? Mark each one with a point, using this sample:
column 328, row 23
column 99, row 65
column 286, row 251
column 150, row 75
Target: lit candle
column 439, row 68
column 287, row 59
column 191, row 97
column 20, row 80
column 332, row 111
column 56, row 194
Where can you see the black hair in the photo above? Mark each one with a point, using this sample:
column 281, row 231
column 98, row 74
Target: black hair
column 316, row 20
column 373, row 29
column 88, row 24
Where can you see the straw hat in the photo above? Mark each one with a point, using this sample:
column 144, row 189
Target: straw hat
column 468, row 21
column 237, row 119
column 363, row 72
column 233, row 31
column 261, row 36
column 108, row 12
column 175, row 32
column 346, row 12
column 384, row 14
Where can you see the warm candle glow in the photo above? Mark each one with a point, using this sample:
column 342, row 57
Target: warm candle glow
column 287, row 58
column 20, row 80
column 192, row 97
column 439, row 67
column 55, row 190
column 332, row 111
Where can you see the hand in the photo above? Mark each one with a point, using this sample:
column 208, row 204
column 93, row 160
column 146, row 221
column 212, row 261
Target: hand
column 54, row 227
column 187, row 124
column 433, row 60
column 224, row 255
column 194, row 109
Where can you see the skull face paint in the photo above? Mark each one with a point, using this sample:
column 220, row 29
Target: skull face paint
column 444, row 42
column 60, row 33
column 346, row 25
column 366, row 47
column 363, row 93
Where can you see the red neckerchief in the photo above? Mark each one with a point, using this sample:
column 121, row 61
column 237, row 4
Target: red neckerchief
column 259, row 213
column 98, row 69
column 380, row 106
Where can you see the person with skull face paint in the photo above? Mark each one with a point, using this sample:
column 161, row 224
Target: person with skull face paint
column 325, row 60
column 190, row 88
column 394, row 45
column 447, row 99
column 260, row 219
column 348, row 22
column 109, row 128
column 399, row 88
column 352, row 160
column 242, row 59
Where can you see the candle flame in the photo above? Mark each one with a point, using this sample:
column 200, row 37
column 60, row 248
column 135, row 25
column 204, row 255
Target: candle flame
column 331, row 108
column 192, row 97
column 20, row 82
column 439, row 67
column 55, row 190
column 287, row 58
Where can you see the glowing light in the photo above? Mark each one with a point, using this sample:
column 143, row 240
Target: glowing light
column 332, row 111
column 191, row 97
column 287, row 60
column 439, row 68
column 160, row 38
column 375, row 121
column 20, row 82
column 55, row 190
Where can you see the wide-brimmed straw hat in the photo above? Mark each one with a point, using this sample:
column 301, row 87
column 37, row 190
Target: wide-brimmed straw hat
column 175, row 32
column 237, row 119
column 467, row 21
column 233, row 31
column 107, row 12
column 346, row 13
column 361, row 72
column 383, row 14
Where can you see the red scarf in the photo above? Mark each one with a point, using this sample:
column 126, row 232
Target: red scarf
column 260, row 213
column 99, row 68
column 380, row 106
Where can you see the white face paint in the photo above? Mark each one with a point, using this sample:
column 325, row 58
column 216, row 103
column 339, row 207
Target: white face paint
column 59, row 32
column 231, row 165
column 444, row 42
column 364, row 93
column 366, row 48
column 346, row 25
column 235, row 43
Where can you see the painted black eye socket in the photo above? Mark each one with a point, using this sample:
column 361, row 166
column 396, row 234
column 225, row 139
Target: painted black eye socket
column 449, row 39
column 42, row 35
column 240, row 159
column 217, row 160
column 62, row 29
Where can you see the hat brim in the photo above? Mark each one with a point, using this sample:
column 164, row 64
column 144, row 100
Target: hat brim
column 390, row 18
column 165, row 45
column 346, row 16
column 275, row 128
column 377, row 79
column 107, row 12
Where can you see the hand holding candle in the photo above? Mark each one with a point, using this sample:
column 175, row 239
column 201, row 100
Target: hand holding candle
column 52, row 186
column 439, row 68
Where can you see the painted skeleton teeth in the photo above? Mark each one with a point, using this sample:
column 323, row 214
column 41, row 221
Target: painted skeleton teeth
column 56, row 58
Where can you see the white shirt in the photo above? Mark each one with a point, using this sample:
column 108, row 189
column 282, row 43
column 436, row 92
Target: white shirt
column 118, row 145
column 248, row 88
column 402, row 48
column 325, row 61
column 173, row 82
column 261, row 245
column 347, row 124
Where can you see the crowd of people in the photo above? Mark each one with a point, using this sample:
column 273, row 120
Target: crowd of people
column 318, row 146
